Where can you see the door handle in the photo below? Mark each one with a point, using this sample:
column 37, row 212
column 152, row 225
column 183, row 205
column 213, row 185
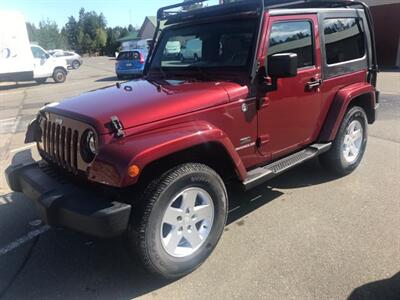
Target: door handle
column 313, row 83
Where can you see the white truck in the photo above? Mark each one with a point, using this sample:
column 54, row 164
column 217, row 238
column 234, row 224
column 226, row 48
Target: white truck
column 20, row 61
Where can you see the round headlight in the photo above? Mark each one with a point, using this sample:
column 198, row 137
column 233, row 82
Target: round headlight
column 88, row 146
column 91, row 141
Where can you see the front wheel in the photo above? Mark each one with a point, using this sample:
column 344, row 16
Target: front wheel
column 182, row 221
column 59, row 75
column 349, row 145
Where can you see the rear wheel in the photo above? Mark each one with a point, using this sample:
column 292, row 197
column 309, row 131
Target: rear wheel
column 182, row 221
column 349, row 145
column 59, row 75
column 76, row 64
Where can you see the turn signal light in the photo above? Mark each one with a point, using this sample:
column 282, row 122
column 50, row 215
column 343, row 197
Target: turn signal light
column 133, row 171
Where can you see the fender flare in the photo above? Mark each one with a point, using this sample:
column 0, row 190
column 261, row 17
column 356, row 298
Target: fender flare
column 339, row 106
column 59, row 67
column 112, row 163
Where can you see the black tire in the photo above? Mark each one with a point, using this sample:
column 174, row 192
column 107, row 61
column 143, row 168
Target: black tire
column 145, row 229
column 76, row 64
column 334, row 160
column 40, row 80
column 59, row 75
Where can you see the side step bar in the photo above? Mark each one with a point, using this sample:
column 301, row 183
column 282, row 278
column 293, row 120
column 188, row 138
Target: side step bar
column 263, row 174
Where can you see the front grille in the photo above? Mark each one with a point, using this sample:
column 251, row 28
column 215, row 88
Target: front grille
column 60, row 144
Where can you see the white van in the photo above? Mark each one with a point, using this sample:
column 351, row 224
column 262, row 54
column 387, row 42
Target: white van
column 20, row 61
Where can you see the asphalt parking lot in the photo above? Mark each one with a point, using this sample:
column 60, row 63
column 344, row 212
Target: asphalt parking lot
column 304, row 235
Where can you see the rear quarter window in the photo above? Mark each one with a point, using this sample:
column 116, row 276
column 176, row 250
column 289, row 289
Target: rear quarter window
column 344, row 40
column 129, row 55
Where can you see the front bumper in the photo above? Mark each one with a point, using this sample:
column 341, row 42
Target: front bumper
column 61, row 202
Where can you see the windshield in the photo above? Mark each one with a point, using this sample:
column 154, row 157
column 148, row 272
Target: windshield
column 212, row 46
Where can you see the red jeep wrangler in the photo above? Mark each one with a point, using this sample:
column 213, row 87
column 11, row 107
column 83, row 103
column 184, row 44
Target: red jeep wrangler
column 263, row 86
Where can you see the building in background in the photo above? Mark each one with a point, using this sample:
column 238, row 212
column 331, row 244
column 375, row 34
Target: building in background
column 386, row 15
column 148, row 27
column 129, row 41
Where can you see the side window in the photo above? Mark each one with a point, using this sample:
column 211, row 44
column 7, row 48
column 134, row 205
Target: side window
column 37, row 52
column 293, row 37
column 344, row 40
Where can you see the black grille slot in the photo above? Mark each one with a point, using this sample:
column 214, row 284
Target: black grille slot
column 61, row 145
column 48, row 138
column 44, row 139
column 75, row 150
column 52, row 141
column 58, row 133
column 68, row 146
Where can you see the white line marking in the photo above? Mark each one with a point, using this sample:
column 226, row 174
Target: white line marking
column 22, row 148
column 255, row 198
column 22, row 240
column 11, row 92
column 233, row 209
column 8, row 119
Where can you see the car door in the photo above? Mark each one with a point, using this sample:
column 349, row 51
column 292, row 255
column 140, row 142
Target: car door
column 42, row 63
column 288, row 115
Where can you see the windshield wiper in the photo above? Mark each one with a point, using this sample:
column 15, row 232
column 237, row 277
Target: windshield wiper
column 160, row 69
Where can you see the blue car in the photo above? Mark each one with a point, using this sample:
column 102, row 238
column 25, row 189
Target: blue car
column 130, row 63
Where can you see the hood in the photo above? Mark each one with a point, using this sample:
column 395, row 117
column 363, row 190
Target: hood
column 140, row 102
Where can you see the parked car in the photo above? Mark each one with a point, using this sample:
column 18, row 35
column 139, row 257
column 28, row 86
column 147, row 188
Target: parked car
column 73, row 59
column 275, row 87
column 192, row 50
column 130, row 63
column 20, row 61
column 172, row 50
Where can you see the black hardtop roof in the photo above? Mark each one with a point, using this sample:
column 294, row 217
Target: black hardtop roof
column 172, row 13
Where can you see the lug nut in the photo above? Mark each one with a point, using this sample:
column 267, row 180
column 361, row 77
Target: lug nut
column 189, row 227
column 194, row 217
column 180, row 228
column 179, row 218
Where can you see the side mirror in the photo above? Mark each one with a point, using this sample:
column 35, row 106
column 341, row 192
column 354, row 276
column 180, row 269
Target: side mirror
column 282, row 65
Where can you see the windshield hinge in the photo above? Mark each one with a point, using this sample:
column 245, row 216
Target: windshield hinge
column 116, row 127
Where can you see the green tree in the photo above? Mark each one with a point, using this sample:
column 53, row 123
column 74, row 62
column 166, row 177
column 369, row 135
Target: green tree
column 70, row 32
column 48, row 35
column 32, row 32
column 88, row 34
